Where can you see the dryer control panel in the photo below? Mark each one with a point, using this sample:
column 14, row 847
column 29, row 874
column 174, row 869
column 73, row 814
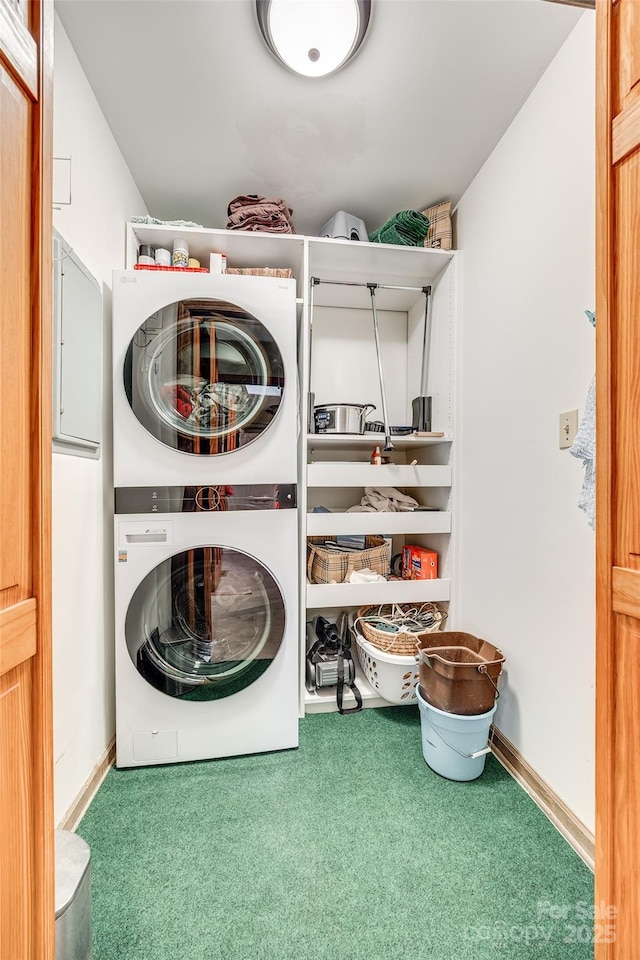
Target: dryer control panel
column 209, row 499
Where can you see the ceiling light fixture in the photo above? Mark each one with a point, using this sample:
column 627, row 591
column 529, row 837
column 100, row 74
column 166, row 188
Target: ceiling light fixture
column 313, row 37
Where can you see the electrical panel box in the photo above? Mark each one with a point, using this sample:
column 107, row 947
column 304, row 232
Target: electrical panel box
column 77, row 354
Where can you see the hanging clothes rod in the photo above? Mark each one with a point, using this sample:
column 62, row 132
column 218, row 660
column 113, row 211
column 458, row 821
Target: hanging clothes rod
column 370, row 286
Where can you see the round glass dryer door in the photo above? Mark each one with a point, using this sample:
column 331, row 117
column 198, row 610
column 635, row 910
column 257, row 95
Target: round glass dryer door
column 205, row 623
column 204, row 376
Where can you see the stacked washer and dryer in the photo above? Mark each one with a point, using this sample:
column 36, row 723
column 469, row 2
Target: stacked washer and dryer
column 206, row 529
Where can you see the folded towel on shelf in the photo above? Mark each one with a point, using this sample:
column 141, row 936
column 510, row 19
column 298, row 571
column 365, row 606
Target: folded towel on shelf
column 584, row 448
column 365, row 576
column 245, row 200
column 252, row 212
column 383, row 500
column 273, row 224
column 166, row 223
column 407, row 228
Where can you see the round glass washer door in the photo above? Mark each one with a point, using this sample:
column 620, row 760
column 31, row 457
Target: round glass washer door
column 204, row 376
column 205, row 623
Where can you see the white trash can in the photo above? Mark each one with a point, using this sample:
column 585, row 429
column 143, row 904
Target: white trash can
column 73, row 897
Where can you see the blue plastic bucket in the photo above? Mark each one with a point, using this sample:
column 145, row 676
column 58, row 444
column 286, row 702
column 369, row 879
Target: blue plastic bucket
column 454, row 746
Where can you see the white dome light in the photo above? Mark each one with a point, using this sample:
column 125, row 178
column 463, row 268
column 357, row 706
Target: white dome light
column 314, row 37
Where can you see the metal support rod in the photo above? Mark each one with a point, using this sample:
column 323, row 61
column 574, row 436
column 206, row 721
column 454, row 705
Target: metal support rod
column 354, row 283
column 388, row 447
column 311, row 424
column 426, row 341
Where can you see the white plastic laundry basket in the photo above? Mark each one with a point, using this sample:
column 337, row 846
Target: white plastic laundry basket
column 454, row 746
column 394, row 678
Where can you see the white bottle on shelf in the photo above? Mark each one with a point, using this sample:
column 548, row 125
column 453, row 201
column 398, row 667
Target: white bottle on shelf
column 180, row 253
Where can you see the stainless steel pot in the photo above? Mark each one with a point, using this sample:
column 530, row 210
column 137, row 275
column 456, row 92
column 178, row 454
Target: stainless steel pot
column 341, row 417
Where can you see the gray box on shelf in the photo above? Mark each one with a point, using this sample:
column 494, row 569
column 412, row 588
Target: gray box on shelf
column 72, row 897
column 344, row 226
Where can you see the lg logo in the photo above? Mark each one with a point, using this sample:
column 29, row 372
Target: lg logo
column 128, row 279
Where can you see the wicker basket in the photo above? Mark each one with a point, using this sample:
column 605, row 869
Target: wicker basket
column 333, row 566
column 402, row 644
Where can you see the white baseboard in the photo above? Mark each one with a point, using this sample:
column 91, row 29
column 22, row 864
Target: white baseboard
column 564, row 820
column 78, row 808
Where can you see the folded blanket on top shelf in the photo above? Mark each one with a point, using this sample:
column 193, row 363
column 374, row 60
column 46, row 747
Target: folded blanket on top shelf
column 407, row 228
column 251, row 212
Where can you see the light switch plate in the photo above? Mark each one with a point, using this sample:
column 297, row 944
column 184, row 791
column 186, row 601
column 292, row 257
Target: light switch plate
column 568, row 428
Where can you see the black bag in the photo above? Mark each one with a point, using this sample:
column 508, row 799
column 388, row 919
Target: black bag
column 330, row 663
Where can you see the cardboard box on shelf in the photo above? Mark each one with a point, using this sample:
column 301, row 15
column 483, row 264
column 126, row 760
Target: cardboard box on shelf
column 419, row 563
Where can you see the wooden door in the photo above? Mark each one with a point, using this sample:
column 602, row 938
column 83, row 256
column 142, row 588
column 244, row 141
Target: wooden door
column 26, row 817
column 618, row 480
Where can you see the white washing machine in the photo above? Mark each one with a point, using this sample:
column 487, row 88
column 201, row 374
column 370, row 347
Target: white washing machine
column 204, row 385
column 206, row 622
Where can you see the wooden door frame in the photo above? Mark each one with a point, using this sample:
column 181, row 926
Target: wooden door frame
column 617, row 567
column 27, row 54
column 604, row 687
column 44, row 867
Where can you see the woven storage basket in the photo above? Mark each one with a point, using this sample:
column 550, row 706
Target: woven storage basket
column 334, row 566
column 402, row 644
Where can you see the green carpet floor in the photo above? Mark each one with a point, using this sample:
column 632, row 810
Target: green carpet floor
column 348, row 848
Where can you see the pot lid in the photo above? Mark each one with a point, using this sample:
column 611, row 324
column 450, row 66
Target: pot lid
column 356, row 406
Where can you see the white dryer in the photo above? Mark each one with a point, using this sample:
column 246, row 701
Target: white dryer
column 206, row 622
column 204, row 385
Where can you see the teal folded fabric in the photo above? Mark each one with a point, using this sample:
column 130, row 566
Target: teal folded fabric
column 407, row 228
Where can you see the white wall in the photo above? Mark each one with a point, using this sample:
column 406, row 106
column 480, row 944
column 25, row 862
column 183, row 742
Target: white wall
column 104, row 196
column 526, row 228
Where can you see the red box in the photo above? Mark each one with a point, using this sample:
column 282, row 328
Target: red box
column 419, row 563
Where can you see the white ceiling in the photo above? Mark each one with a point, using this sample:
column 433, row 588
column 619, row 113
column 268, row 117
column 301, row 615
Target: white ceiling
column 202, row 112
